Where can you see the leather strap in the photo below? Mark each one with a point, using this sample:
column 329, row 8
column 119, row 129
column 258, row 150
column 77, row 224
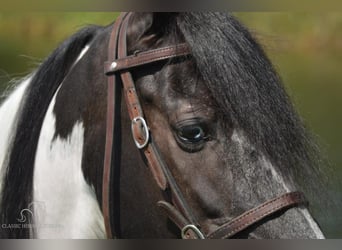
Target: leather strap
column 256, row 214
column 111, row 93
column 146, row 57
column 133, row 103
column 155, row 161
column 239, row 223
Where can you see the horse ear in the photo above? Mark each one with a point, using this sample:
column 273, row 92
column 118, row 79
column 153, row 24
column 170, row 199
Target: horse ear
column 148, row 28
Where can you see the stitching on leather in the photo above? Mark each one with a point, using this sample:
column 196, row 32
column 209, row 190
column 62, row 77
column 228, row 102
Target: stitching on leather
column 144, row 57
column 238, row 219
column 296, row 196
column 282, row 205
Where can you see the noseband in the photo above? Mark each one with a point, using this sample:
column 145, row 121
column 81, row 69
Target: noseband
column 118, row 65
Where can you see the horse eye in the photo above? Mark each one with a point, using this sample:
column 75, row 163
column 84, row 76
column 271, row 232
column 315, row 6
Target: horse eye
column 191, row 134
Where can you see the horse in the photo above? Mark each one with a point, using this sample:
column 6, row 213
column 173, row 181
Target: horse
column 218, row 150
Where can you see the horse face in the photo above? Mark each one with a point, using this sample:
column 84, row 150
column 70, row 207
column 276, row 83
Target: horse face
column 192, row 136
column 220, row 173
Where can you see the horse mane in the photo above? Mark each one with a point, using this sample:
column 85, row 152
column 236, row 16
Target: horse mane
column 18, row 179
column 246, row 87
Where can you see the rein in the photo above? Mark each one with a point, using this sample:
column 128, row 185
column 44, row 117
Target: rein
column 118, row 65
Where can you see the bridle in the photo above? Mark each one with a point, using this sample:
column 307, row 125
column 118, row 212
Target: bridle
column 118, row 65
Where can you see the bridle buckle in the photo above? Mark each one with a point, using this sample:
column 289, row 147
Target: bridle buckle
column 194, row 229
column 140, row 132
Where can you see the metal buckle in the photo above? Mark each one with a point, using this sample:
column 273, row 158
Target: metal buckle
column 140, row 121
column 194, row 229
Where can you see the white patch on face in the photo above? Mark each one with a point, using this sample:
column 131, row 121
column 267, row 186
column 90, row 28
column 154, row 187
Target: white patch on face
column 312, row 223
column 281, row 184
column 275, row 175
column 304, row 211
column 266, row 164
column 8, row 113
column 70, row 207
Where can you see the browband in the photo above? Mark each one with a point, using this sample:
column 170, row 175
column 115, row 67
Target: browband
column 146, row 57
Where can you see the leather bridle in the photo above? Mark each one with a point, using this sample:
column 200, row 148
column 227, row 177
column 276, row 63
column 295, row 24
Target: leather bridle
column 118, row 65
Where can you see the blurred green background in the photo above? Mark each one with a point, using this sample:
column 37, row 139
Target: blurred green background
column 306, row 49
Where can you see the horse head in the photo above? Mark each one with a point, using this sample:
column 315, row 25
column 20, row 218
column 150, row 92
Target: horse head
column 222, row 122
column 226, row 148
